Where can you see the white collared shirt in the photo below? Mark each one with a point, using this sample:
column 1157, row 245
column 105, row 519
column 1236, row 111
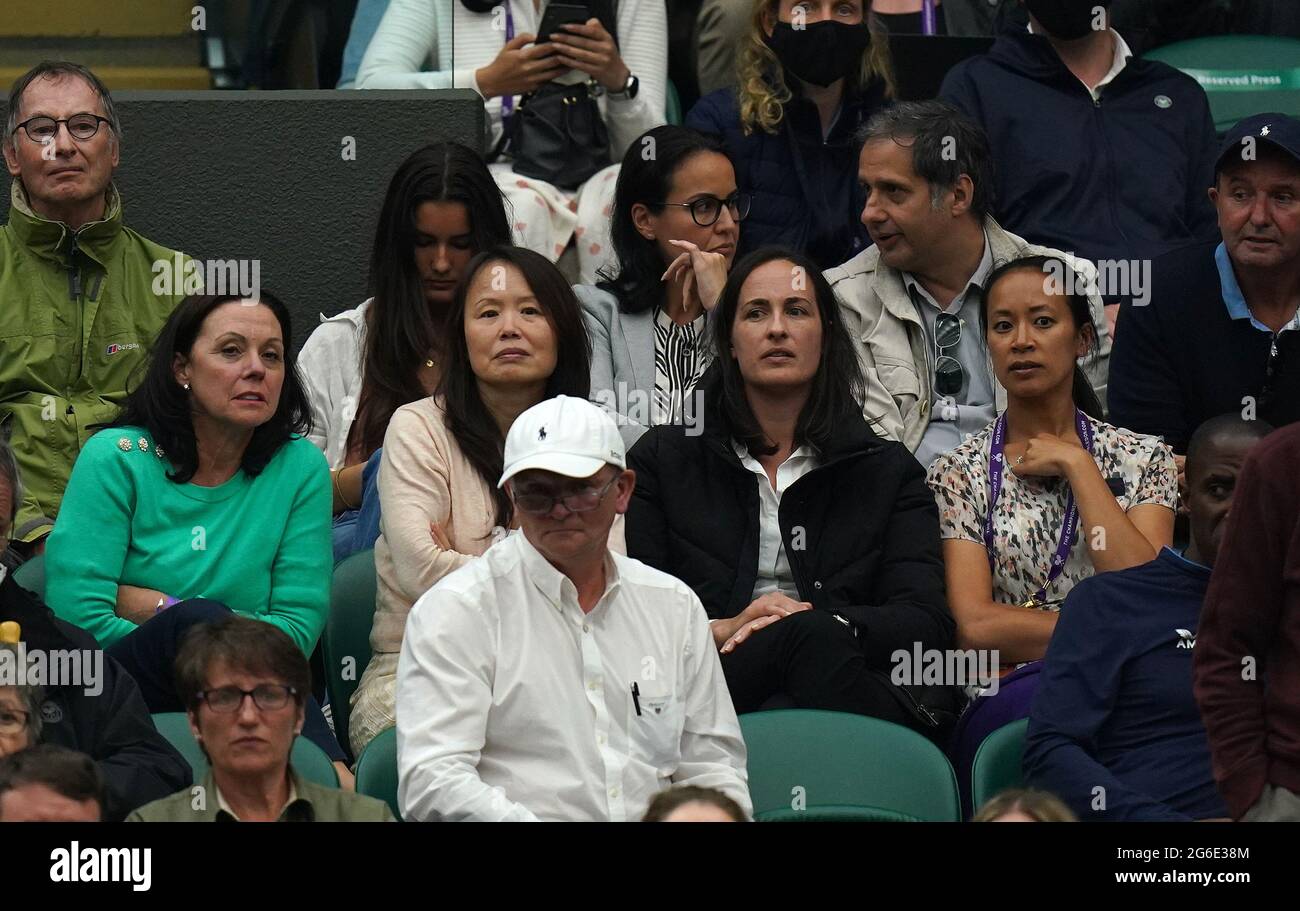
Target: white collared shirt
column 330, row 365
column 514, row 705
column 774, row 572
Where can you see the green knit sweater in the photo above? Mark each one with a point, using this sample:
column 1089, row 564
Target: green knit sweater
column 261, row 545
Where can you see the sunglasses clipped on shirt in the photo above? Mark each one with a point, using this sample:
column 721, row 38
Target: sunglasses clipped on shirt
column 949, row 375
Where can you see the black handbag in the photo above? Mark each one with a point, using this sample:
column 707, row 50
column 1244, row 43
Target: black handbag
column 557, row 135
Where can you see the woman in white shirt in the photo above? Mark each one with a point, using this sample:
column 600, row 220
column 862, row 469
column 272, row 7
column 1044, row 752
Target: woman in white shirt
column 442, row 207
column 488, row 47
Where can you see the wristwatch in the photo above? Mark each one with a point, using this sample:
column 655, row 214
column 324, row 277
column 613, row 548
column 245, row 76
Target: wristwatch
column 629, row 88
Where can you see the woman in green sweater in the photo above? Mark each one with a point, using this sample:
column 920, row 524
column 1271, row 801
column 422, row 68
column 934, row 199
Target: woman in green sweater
column 202, row 498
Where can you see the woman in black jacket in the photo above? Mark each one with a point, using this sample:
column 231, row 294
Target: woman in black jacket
column 813, row 544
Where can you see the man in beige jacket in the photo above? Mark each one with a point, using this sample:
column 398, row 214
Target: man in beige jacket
column 912, row 301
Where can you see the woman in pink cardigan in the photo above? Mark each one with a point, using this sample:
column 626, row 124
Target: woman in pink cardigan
column 514, row 337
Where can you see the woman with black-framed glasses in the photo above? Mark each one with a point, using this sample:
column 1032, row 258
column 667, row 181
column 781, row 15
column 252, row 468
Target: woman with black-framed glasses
column 244, row 686
column 675, row 227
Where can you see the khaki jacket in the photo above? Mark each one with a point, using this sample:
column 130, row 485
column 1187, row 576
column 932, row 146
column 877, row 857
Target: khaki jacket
column 889, row 336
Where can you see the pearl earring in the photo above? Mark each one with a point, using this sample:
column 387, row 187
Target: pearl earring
column 185, row 386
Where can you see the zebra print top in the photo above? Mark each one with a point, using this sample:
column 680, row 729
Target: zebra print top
column 681, row 357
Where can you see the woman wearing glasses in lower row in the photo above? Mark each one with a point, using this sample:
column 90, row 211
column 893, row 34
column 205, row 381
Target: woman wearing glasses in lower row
column 514, row 337
column 675, row 228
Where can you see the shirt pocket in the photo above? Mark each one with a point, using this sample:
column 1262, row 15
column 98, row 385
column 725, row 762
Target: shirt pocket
column 655, row 735
column 902, row 382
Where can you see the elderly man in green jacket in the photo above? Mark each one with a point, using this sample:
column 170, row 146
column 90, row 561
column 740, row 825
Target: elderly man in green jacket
column 77, row 306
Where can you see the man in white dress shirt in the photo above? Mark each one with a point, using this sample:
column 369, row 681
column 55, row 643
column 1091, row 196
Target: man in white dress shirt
column 552, row 679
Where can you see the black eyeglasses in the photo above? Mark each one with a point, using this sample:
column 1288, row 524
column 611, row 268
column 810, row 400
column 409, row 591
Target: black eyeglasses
column 269, row 697
column 44, row 129
column 707, row 209
column 585, row 500
column 949, row 376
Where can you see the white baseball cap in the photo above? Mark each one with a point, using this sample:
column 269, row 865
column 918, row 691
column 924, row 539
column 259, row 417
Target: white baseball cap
column 566, row 435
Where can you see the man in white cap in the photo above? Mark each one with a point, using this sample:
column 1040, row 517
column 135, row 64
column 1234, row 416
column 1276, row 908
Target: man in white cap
column 553, row 679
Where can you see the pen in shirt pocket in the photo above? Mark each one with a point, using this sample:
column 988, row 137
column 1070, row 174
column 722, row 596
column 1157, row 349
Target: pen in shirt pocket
column 636, row 698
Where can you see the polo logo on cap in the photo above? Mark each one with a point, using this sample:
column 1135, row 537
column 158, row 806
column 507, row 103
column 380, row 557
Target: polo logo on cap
column 541, row 433
column 1164, row 101
column 1266, row 130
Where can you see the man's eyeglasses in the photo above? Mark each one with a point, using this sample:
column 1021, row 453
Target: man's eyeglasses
column 13, row 721
column 269, row 697
column 44, row 129
column 707, row 209
column 948, row 373
column 585, row 500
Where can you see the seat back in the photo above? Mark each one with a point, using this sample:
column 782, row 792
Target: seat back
column 346, row 640
column 672, row 105
column 1241, row 74
column 997, row 764
column 824, row 763
column 377, row 769
column 307, row 759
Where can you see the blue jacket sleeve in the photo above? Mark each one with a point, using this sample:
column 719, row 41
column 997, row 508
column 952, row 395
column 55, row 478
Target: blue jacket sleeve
column 1082, row 673
column 713, row 113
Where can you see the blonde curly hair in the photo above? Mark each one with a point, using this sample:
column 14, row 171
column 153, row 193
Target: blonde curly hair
column 763, row 92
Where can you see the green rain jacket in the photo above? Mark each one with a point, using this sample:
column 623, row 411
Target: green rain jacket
column 78, row 316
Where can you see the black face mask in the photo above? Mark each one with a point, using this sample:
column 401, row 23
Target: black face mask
column 822, row 52
column 1065, row 19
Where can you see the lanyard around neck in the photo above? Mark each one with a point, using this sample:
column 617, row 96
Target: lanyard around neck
column 1069, row 524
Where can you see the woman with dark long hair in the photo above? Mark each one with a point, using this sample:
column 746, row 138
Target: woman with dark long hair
column 675, row 226
column 202, row 498
column 1045, row 496
column 442, row 207
column 812, row 543
column 514, row 336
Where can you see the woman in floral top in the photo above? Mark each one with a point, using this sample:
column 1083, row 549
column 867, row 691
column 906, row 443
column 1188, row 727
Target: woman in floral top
column 1071, row 495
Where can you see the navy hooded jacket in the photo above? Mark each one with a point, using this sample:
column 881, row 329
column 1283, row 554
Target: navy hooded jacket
column 1121, row 178
column 805, row 189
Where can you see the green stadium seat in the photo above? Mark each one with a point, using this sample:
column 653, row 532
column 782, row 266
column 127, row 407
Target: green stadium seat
column 308, row 760
column 31, row 575
column 346, row 640
column 1241, row 74
column 673, row 107
column 845, row 766
column 997, row 763
column 377, row 769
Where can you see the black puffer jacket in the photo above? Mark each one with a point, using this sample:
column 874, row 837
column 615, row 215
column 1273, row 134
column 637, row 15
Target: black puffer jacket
column 861, row 531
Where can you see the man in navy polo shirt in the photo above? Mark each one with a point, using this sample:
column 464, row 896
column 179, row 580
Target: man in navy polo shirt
column 1114, row 730
column 1220, row 332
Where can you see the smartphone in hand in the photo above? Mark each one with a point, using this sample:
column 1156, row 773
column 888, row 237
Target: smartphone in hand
column 561, row 14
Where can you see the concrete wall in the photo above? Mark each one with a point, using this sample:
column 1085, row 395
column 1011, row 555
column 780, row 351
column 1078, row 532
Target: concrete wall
column 261, row 175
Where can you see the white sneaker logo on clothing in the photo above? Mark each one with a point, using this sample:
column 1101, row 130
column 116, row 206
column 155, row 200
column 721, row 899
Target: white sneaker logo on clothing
column 1186, row 639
